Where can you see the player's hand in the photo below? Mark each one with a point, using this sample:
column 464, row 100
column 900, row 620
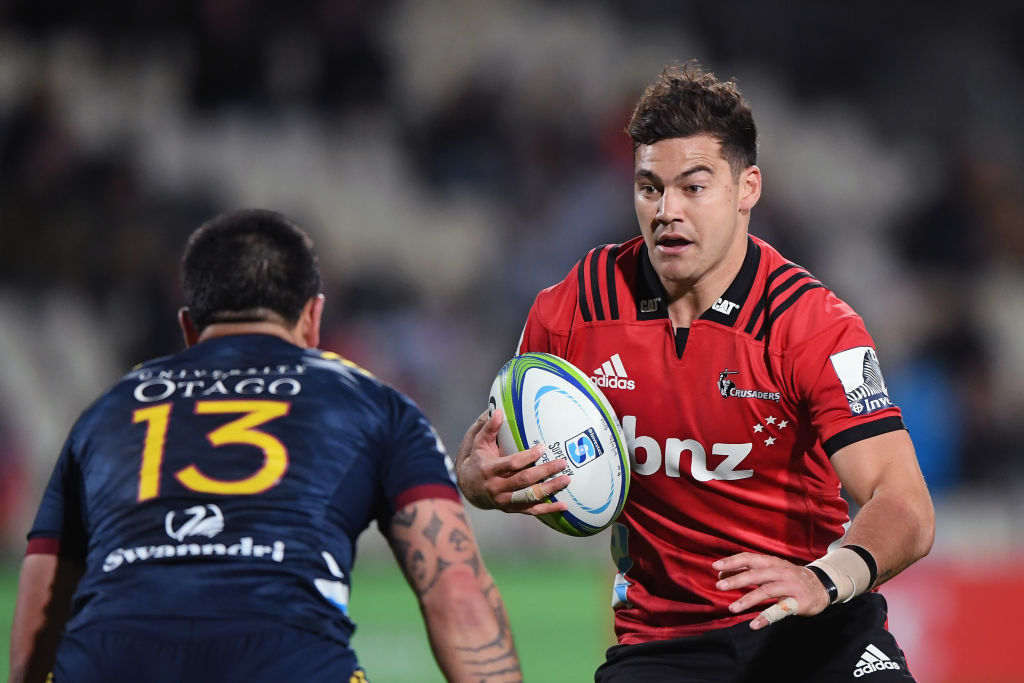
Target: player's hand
column 790, row 588
column 490, row 480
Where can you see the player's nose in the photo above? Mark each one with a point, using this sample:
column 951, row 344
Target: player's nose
column 670, row 207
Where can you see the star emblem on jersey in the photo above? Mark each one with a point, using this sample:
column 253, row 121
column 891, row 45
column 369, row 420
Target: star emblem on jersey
column 612, row 375
column 770, row 428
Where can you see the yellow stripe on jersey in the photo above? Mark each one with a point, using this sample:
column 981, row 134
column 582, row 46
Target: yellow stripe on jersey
column 331, row 355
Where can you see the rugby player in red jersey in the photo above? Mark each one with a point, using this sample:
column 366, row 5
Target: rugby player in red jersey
column 749, row 395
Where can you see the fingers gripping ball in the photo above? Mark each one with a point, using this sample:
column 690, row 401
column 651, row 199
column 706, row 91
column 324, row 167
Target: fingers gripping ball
column 548, row 400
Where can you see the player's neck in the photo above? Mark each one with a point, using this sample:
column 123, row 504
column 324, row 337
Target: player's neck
column 688, row 301
column 259, row 327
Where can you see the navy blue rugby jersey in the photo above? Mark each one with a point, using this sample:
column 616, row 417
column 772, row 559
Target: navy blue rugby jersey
column 232, row 481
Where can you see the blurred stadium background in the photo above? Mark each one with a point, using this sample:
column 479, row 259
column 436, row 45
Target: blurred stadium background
column 451, row 157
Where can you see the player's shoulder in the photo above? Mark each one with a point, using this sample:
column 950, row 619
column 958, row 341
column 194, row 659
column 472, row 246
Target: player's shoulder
column 591, row 283
column 793, row 305
column 349, row 375
column 335, row 364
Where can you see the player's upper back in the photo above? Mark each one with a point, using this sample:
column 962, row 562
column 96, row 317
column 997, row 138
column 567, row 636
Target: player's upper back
column 251, row 415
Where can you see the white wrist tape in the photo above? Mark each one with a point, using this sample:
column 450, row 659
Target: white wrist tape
column 848, row 571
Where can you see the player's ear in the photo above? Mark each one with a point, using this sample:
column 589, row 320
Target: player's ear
column 309, row 321
column 188, row 327
column 749, row 188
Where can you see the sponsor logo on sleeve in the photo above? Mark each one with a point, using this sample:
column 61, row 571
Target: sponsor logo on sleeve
column 861, row 376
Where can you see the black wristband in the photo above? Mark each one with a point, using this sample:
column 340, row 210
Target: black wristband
column 869, row 560
column 827, row 582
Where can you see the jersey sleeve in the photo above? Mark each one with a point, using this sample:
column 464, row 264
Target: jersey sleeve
column 58, row 528
column 838, row 376
column 416, row 464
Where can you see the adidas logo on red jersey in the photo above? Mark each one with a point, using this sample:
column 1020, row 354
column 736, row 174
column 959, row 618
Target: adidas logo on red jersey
column 612, row 375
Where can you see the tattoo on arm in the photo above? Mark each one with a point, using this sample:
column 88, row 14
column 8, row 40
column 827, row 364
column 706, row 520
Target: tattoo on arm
column 432, row 529
column 883, row 576
column 405, row 517
column 428, row 539
column 425, row 549
column 495, row 659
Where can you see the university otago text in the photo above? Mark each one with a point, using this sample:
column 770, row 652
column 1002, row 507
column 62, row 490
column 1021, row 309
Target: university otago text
column 190, row 383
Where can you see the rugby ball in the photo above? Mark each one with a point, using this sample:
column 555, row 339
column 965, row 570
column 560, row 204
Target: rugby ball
column 547, row 399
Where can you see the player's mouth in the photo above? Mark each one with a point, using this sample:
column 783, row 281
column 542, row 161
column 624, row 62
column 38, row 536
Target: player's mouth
column 672, row 243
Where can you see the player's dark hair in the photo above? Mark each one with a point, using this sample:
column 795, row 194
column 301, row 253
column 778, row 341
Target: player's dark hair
column 687, row 101
column 246, row 266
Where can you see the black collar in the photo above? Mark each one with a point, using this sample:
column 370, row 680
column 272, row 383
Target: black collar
column 652, row 301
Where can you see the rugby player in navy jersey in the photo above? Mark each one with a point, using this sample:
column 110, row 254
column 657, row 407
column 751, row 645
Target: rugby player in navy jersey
column 201, row 521
column 749, row 395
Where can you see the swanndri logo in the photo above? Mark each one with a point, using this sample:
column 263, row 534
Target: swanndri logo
column 199, row 520
column 612, row 375
column 728, row 388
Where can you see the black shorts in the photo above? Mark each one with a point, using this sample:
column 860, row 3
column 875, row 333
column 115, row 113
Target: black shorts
column 201, row 651
column 845, row 643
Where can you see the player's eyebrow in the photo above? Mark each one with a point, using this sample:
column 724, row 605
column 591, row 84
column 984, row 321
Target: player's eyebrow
column 693, row 170
column 647, row 174
column 644, row 174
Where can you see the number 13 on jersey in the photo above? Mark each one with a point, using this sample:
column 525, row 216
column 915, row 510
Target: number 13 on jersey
column 239, row 431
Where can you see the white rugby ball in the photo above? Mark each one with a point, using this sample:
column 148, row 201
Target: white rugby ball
column 547, row 399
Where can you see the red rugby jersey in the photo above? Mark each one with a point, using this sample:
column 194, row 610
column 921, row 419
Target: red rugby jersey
column 730, row 424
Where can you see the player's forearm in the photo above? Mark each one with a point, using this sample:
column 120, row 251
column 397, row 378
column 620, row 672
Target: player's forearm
column 464, row 613
column 44, row 592
column 897, row 530
column 896, row 521
column 469, row 630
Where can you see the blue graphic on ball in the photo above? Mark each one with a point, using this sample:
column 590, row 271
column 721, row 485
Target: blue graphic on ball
column 583, row 447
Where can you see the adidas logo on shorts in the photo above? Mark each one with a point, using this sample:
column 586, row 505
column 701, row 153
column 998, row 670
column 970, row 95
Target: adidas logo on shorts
column 873, row 660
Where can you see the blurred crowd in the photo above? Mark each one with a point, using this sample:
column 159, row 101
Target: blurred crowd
column 451, row 158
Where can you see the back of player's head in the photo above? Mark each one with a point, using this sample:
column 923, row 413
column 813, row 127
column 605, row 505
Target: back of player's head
column 246, row 266
column 686, row 101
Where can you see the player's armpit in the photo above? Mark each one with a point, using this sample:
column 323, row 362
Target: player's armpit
column 465, row 616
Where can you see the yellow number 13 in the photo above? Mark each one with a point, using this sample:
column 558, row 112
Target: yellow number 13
column 240, row 431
